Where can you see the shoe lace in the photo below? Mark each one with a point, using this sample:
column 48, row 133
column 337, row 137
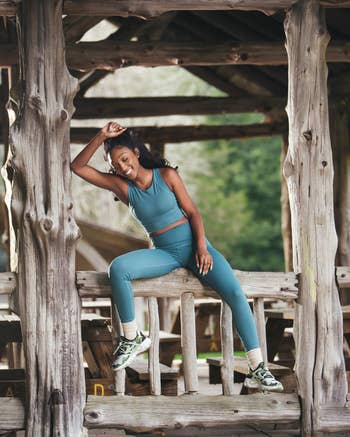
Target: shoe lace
column 123, row 347
column 264, row 373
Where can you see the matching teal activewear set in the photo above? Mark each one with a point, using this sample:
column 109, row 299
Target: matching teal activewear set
column 156, row 207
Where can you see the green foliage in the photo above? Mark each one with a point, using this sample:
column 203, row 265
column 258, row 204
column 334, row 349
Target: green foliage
column 239, row 199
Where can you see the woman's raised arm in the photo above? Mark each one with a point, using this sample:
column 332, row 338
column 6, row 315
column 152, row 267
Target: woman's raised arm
column 103, row 180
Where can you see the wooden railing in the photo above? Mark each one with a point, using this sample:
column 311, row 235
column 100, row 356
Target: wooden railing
column 104, row 411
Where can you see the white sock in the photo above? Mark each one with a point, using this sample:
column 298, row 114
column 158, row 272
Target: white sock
column 254, row 357
column 130, row 329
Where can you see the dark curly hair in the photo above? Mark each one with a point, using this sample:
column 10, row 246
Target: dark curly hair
column 130, row 140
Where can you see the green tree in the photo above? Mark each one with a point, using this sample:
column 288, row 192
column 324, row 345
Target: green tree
column 239, row 198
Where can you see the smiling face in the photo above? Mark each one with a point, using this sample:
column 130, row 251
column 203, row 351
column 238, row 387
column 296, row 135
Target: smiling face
column 125, row 161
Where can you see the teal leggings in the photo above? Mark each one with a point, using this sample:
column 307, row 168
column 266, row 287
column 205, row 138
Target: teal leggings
column 172, row 249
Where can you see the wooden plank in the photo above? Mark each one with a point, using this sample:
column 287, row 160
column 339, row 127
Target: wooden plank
column 255, row 284
column 139, row 368
column 188, row 343
column 12, row 413
column 334, row 419
column 227, row 349
column 154, row 412
column 153, row 357
column 241, row 366
column 258, row 307
column 96, row 107
column 90, row 360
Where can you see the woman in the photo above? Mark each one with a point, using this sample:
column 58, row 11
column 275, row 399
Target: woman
column 157, row 197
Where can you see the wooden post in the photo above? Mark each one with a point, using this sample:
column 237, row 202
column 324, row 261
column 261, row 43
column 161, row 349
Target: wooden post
column 340, row 136
column 308, row 168
column 46, row 232
column 285, row 214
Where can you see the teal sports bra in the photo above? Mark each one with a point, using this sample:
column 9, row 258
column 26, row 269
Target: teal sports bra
column 157, row 206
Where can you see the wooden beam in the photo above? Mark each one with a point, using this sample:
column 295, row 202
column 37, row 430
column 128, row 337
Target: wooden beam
column 180, row 134
column 277, row 285
column 109, row 55
column 160, row 106
column 164, row 412
column 74, row 28
column 210, row 76
column 151, row 8
column 309, row 172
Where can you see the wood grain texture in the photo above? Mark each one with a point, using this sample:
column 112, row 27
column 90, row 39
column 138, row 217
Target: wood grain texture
column 259, row 315
column 181, row 411
column 308, row 168
column 227, row 349
column 46, row 232
column 255, row 284
column 12, row 415
column 153, row 361
column 188, row 343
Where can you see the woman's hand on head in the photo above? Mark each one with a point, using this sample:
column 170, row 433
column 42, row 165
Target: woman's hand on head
column 204, row 260
column 112, row 129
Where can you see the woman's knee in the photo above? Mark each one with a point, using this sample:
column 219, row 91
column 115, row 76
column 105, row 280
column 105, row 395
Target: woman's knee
column 119, row 267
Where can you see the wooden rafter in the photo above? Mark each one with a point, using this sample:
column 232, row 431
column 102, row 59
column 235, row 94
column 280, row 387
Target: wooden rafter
column 109, row 55
column 152, row 8
column 158, row 106
column 246, row 78
column 180, row 134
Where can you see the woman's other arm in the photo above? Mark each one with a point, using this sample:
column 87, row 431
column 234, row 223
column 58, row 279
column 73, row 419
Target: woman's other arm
column 203, row 258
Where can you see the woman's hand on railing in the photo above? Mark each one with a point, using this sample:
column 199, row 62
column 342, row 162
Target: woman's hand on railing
column 204, row 261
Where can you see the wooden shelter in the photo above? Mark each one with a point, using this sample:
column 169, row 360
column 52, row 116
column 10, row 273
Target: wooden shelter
column 237, row 46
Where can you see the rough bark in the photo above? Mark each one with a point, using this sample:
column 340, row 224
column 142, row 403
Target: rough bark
column 308, row 168
column 41, row 206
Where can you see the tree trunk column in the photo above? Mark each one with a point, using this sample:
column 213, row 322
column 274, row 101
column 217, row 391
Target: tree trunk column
column 46, row 232
column 308, row 168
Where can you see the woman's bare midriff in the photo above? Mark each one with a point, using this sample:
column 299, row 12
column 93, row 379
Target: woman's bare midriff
column 167, row 228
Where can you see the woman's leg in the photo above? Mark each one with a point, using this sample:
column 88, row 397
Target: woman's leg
column 142, row 263
column 222, row 279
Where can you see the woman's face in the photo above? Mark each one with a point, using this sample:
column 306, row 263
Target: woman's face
column 125, row 161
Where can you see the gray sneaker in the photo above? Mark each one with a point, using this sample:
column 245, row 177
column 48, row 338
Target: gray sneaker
column 127, row 350
column 261, row 378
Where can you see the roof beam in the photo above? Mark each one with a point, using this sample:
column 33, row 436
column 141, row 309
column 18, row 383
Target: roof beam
column 181, row 134
column 159, row 106
column 110, row 55
column 150, row 8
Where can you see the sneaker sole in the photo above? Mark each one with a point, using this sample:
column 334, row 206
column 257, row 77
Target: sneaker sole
column 145, row 345
column 255, row 384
